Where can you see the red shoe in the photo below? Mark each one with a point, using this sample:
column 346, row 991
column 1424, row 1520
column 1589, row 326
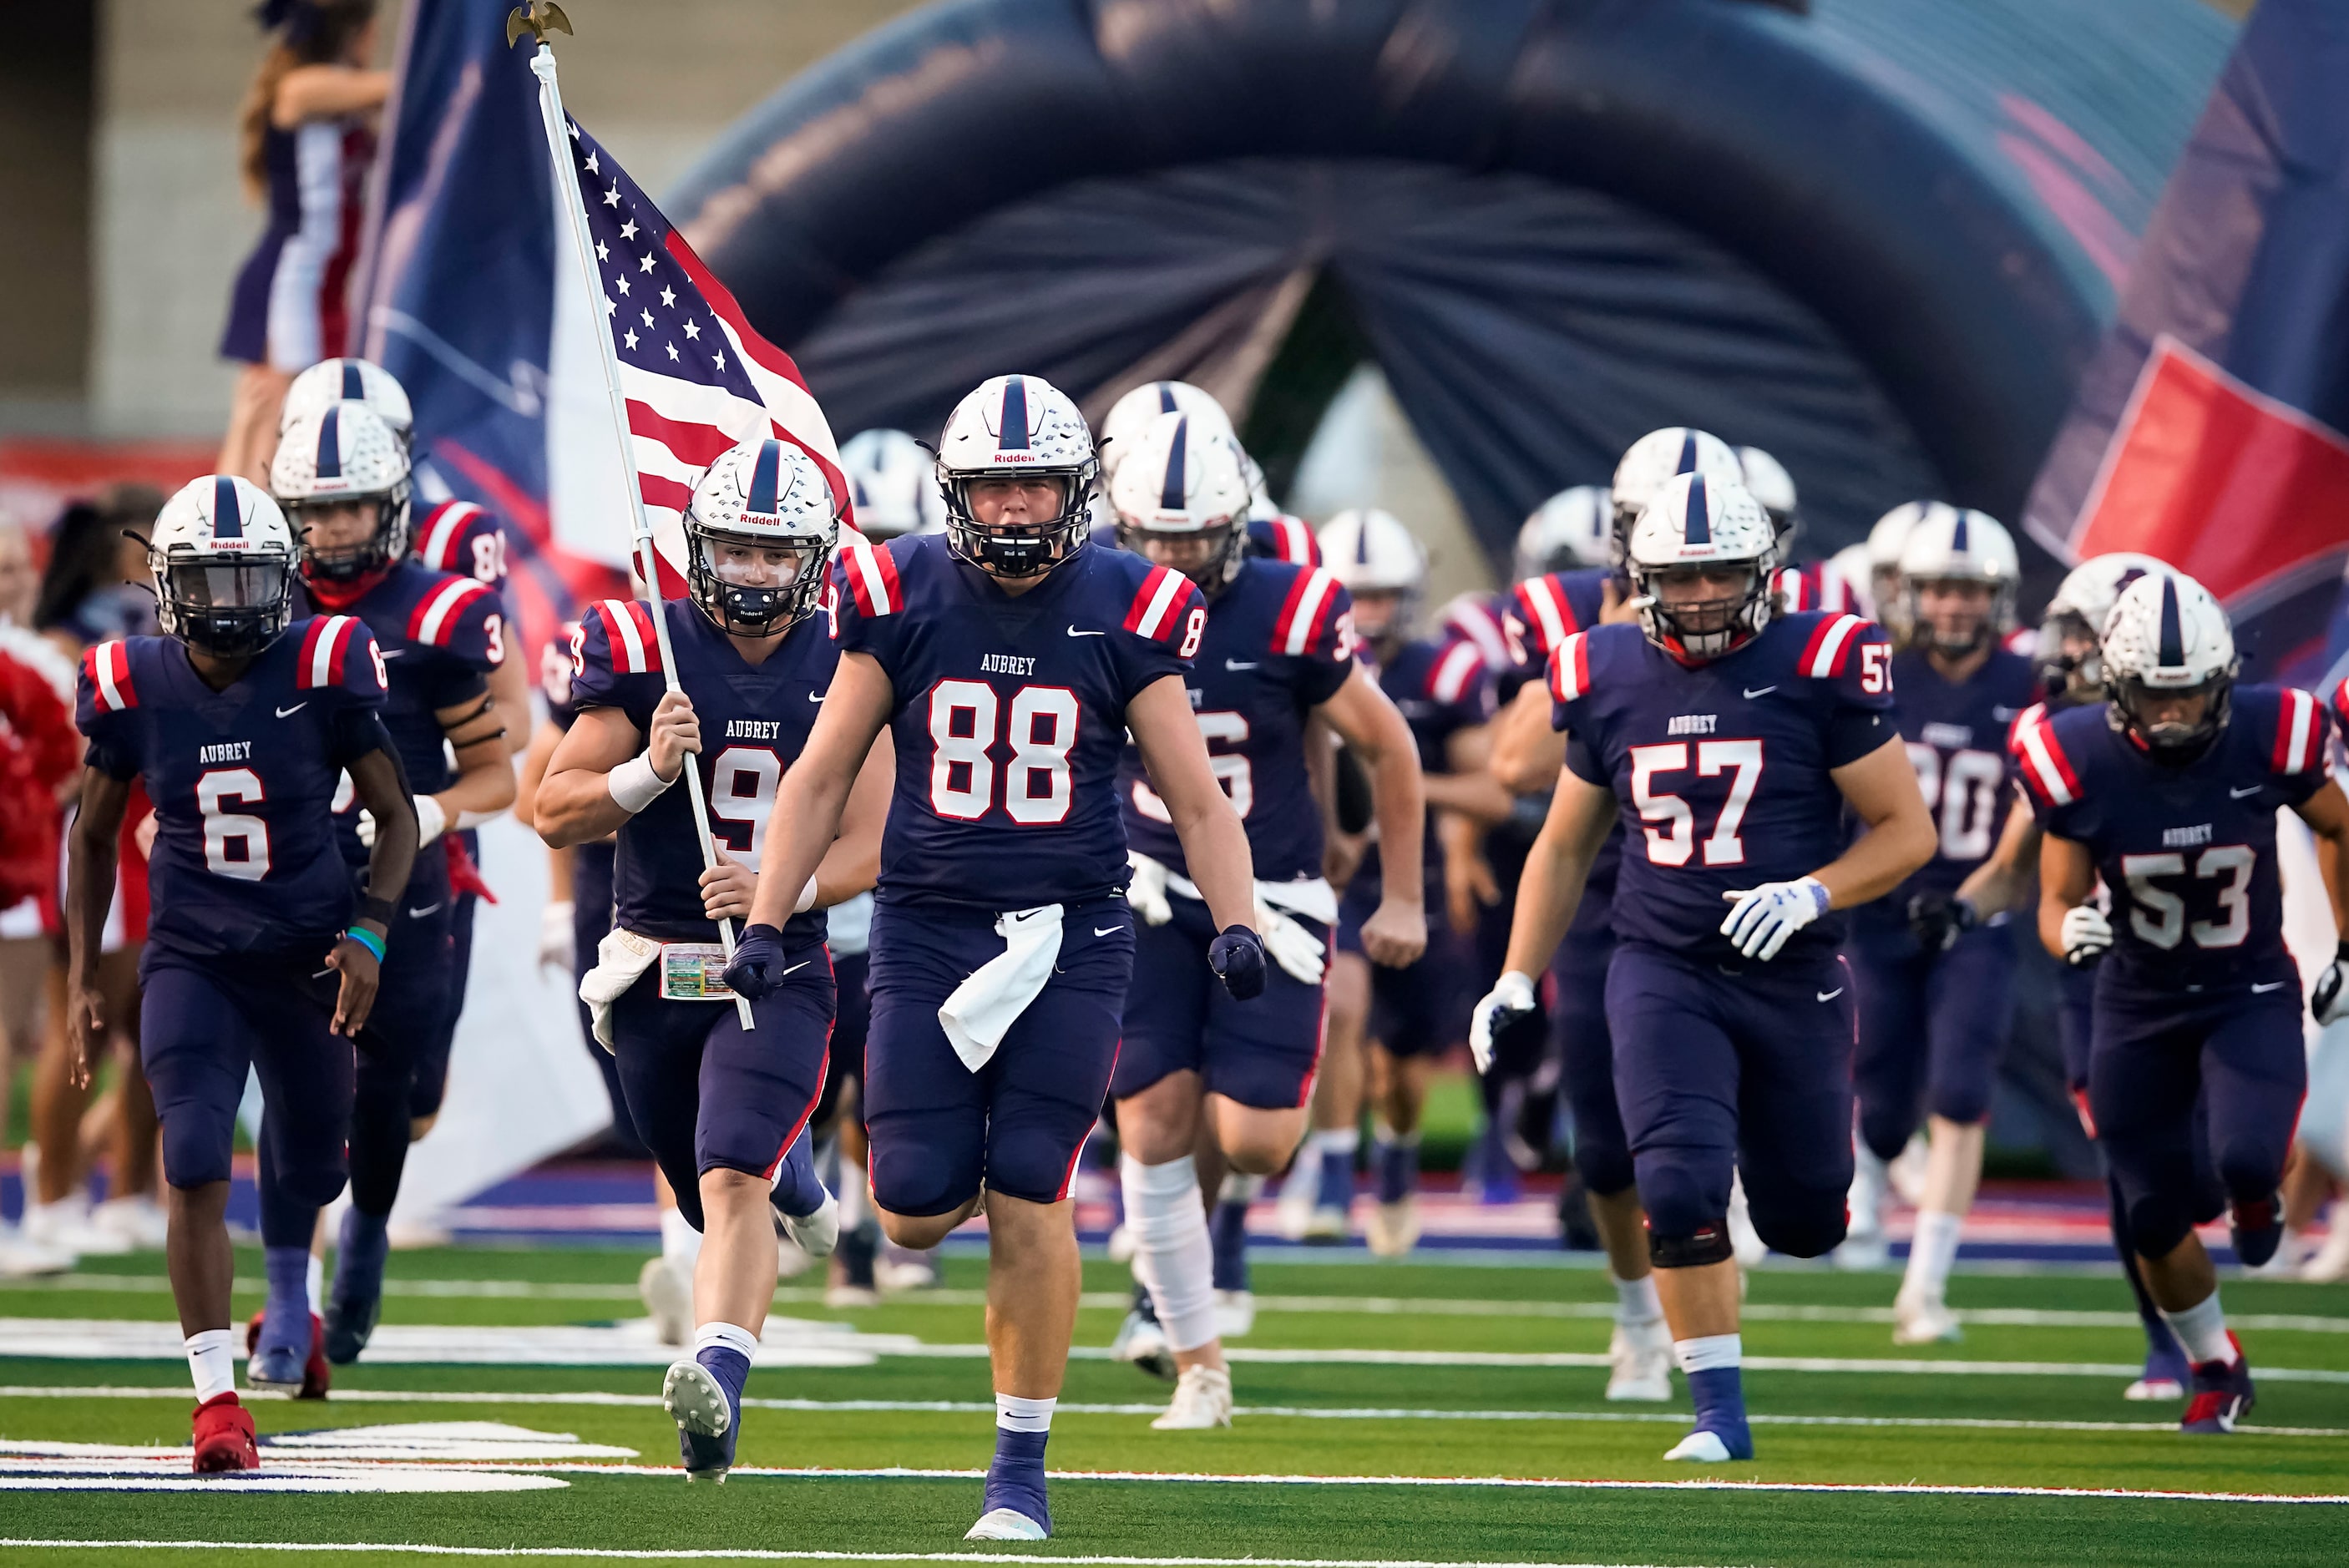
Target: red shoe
column 317, row 1372
column 2222, row 1394
column 224, row 1438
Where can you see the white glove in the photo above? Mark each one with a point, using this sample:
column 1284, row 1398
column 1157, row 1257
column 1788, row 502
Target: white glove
column 431, row 821
column 556, row 938
column 1289, row 945
column 2086, row 935
column 2326, row 1003
column 1146, row 894
column 1511, row 998
column 1765, row 916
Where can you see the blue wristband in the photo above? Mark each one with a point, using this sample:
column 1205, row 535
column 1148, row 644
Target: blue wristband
column 366, row 939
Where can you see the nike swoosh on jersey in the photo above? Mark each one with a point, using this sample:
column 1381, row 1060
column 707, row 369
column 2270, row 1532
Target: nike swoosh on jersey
column 2003, row 714
column 1830, row 995
column 290, row 712
column 1074, row 633
column 2270, row 986
column 420, row 913
column 1107, row 931
column 389, row 653
column 2245, row 794
column 1239, row 664
column 1752, row 692
column 800, row 966
column 815, row 696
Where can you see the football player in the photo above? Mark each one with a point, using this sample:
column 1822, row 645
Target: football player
column 1009, row 660
column 1936, row 971
column 1409, row 1014
column 1732, row 741
column 1197, row 1069
column 2170, row 792
column 239, row 720
column 343, row 476
column 722, row 1101
column 1270, row 530
column 893, row 484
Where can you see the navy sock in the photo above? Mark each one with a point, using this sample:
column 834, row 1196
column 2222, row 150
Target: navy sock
column 1398, row 1168
column 731, row 1367
column 798, row 1192
column 1016, row 1479
column 286, row 1321
column 358, row 1262
column 1337, row 1179
column 1228, row 1234
column 1719, row 1396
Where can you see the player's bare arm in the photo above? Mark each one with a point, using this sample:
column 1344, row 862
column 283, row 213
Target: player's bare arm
column 1881, row 788
column 510, row 695
column 328, row 92
column 574, row 803
column 815, row 794
column 853, row 864
column 91, row 852
column 1470, row 787
column 1998, row 883
column 1368, row 721
column 383, row 793
column 2067, row 875
column 1549, row 890
column 1214, row 845
column 1527, row 752
column 2326, row 812
column 476, row 731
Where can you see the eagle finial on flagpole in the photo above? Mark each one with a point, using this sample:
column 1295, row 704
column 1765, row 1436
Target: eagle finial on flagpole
column 537, row 18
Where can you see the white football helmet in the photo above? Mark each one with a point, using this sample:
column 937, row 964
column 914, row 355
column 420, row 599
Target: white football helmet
column 1131, row 415
column 1709, row 534
column 1573, row 528
column 2074, row 618
column 1017, row 426
column 223, row 558
column 894, row 483
column 343, row 453
column 2167, row 637
column 1766, row 480
column 1954, row 545
column 759, row 535
column 1884, row 542
column 1655, row 457
column 1848, row 566
column 1182, row 477
column 1372, row 552
column 357, row 380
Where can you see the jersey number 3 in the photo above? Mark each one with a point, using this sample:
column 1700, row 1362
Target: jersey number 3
column 966, row 724
column 1670, row 822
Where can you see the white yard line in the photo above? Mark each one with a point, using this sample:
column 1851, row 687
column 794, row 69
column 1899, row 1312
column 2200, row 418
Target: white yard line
column 751, row 1554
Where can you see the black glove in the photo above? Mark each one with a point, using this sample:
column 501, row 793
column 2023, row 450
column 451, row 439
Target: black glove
column 1938, row 920
column 757, row 966
column 1237, row 958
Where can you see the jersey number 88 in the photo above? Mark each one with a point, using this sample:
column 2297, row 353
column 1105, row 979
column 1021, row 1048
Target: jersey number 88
column 966, row 721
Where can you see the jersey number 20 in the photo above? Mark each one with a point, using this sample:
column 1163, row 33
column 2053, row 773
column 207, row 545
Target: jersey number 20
column 967, row 720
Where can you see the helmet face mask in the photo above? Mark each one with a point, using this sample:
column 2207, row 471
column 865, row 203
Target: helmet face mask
column 2071, row 655
column 223, row 563
column 1016, row 466
column 342, row 476
column 1181, row 497
column 753, row 587
column 2173, row 722
column 758, row 536
column 1702, row 562
column 350, row 538
column 2170, row 666
column 1955, row 616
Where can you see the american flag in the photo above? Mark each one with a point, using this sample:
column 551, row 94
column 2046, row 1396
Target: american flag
column 696, row 379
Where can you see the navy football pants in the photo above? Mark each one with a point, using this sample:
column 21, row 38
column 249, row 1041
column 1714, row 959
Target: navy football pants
column 1932, row 1027
column 1261, row 1053
column 705, row 1094
column 405, row 1041
column 1421, row 1008
column 1718, row 1073
column 1585, row 1049
column 2153, row 1056
column 200, row 1025
column 939, row 1130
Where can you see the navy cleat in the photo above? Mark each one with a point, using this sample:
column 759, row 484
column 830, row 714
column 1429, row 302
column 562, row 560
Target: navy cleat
column 355, row 1298
column 2222, row 1394
column 1142, row 1340
column 1015, row 1508
column 301, row 1370
column 708, row 1416
column 2257, row 1229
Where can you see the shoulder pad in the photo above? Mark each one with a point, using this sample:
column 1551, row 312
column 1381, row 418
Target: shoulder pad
column 1569, row 669
column 1161, row 606
column 443, row 529
column 1455, row 670
column 872, row 573
column 1312, row 600
column 2037, row 713
column 107, row 668
column 1831, row 641
column 628, row 633
column 1540, row 606
column 441, row 608
column 2047, row 771
column 2299, row 732
column 327, row 643
column 1290, row 539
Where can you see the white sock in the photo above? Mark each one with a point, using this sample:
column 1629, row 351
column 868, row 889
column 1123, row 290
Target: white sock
column 1240, row 1187
column 1172, row 1257
column 2201, row 1329
column 681, row 1243
column 314, row 1281
column 212, row 1361
column 854, row 1195
column 1636, row 1301
column 738, row 1339
column 1931, row 1250
column 1014, row 1414
column 1338, row 1140
column 1869, row 1182
column 1381, row 1133
column 1712, row 1350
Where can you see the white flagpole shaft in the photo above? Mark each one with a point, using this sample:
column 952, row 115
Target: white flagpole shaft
column 550, row 106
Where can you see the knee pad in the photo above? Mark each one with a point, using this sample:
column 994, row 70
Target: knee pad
column 1605, row 1165
column 1709, row 1244
column 2249, row 1170
column 1807, row 1229
column 196, row 1148
column 916, row 1177
column 1681, row 1195
column 2157, row 1223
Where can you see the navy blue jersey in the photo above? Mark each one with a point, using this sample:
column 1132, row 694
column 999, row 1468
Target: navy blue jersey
column 1543, row 612
column 754, row 722
column 1278, row 643
column 464, row 540
column 1281, row 537
column 245, row 860
column 1958, row 735
column 1721, row 770
column 1009, row 713
column 2187, row 851
column 1441, row 686
column 439, row 637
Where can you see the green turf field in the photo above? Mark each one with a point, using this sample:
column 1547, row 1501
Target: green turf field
column 1386, row 1410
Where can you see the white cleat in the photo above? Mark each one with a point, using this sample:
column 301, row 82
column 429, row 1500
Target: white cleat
column 1122, row 1248
column 815, row 1234
column 137, row 1220
column 666, row 1291
column 2331, row 1261
column 1924, row 1321
column 1235, row 1314
column 1203, row 1401
column 1642, row 1356
column 912, row 1272
column 1292, row 1209
column 1860, row 1253
column 65, row 1226
column 2154, row 1390
column 1700, row 1447
column 1744, row 1242
column 698, row 1405
column 21, row 1259
column 1143, row 1342
column 1006, row 1524
column 1394, row 1228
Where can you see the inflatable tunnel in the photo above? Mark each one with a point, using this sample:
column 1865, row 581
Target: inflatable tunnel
column 1879, row 238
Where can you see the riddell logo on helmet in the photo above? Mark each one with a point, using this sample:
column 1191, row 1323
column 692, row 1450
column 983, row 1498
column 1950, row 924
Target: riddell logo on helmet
column 1018, row 457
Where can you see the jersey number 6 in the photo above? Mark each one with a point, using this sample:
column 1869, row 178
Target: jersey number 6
column 249, row 834
column 964, row 727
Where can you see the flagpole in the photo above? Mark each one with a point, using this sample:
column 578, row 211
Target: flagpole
column 550, row 104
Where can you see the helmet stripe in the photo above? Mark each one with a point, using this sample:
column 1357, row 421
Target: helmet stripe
column 1958, row 541
column 1166, row 397
column 2173, row 635
column 1014, row 435
column 1700, row 516
column 330, row 444
column 766, row 478
column 1170, row 491
column 1688, row 453
column 354, row 384
column 228, row 518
